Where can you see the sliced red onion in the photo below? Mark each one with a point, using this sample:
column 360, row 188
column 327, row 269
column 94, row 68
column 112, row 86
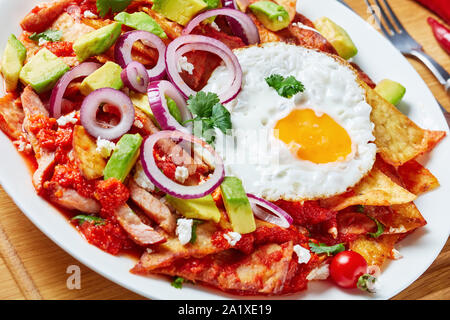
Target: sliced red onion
column 184, row 44
column 122, row 51
column 82, row 70
column 248, row 27
column 135, row 77
column 157, row 92
column 279, row 217
column 235, row 26
column 88, row 113
column 169, row 186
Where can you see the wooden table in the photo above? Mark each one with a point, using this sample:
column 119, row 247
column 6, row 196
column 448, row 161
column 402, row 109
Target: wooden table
column 44, row 264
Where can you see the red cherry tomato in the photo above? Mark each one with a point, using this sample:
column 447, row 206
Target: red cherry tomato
column 346, row 268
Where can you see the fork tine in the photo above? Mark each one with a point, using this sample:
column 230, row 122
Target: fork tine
column 394, row 16
column 377, row 20
column 386, row 18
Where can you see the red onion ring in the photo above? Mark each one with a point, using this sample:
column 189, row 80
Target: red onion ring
column 157, row 92
column 187, row 43
column 135, row 77
column 82, row 70
column 246, row 24
column 122, row 51
column 167, row 185
column 279, row 217
column 88, row 113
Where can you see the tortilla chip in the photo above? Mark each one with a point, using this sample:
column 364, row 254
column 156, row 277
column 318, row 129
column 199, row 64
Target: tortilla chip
column 290, row 6
column 376, row 189
column 403, row 218
column 375, row 250
column 398, row 139
column 89, row 160
column 263, row 272
column 416, row 178
column 11, row 116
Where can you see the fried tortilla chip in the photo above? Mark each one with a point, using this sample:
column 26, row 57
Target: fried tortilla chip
column 416, row 178
column 11, row 116
column 262, row 272
column 375, row 250
column 89, row 160
column 398, row 139
column 376, row 189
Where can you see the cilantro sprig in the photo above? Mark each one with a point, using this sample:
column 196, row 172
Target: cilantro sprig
column 286, row 87
column 323, row 248
column 105, row 6
column 177, row 282
column 47, row 35
column 92, row 219
column 209, row 114
column 195, row 224
column 380, row 229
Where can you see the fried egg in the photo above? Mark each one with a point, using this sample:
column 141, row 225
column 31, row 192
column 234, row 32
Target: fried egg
column 313, row 145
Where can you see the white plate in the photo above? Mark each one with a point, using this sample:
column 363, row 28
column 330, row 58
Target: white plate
column 379, row 59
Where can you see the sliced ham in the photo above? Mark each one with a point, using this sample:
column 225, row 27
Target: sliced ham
column 72, row 200
column 41, row 17
column 153, row 208
column 11, row 116
column 138, row 231
column 46, row 162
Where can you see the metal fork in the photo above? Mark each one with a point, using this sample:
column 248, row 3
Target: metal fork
column 402, row 40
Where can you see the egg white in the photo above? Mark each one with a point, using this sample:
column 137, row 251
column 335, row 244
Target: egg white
column 265, row 165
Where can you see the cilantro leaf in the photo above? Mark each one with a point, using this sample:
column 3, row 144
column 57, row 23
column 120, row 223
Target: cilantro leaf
column 323, row 248
column 105, row 6
column 286, row 87
column 84, row 218
column 195, row 223
column 360, row 208
column 380, row 229
column 177, row 282
column 47, row 35
column 209, row 114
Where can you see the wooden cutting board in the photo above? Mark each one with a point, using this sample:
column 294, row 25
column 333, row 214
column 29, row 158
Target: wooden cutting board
column 33, row 267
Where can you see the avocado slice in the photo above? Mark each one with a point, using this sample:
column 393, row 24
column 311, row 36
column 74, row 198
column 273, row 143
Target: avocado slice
column 124, row 157
column 391, row 91
column 273, row 16
column 180, row 11
column 107, row 76
column 201, row 208
column 237, row 205
column 43, row 70
column 12, row 62
column 337, row 36
column 141, row 21
column 97, row 42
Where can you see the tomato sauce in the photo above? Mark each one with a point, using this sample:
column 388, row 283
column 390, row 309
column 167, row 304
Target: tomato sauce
column 60, row 48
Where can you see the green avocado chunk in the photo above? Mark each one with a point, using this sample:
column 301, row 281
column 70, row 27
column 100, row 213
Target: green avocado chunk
column 124, row 157
column 43, row 70
column 273, row 16
column 237, row 205
column 12, row 62
column 337, row 36
column 201, row 208
column 97, row 42
column 213, row 4
column 107, row 76
column 141, row 21
column 391, row 91
column 180, row 11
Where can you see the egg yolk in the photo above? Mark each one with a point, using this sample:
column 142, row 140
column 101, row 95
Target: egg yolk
column 312, row 137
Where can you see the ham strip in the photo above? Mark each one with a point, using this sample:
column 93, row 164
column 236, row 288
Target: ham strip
column 11, row 117
column 138, row 231
column 72, row 200
column 43, row 16
column 153, row 208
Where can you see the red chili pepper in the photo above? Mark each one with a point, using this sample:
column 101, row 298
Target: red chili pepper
column 440, row 7
column 441, row 32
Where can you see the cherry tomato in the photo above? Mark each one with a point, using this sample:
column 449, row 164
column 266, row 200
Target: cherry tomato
column 346, row 268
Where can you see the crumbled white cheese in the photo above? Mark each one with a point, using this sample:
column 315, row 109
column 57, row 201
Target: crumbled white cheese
column 232, row 237
column 333, row 231
column 183, row 64
column 69, row 118
column 303, row 26
column 184, row 230
column 138, row 124
column 322, row 272
column 280, row 18
column 42, row 41
column 181, row 174
column 149, row 251
column 89, row 14
column 400, row 229
column 215, row 26
column 303, row 254
column 23, row 146
column 141, row 178
column 105, row 147
column 396, row 254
